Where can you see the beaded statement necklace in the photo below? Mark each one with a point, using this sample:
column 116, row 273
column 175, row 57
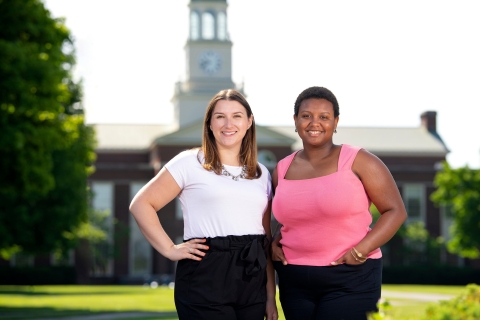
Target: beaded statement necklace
column 235, row 178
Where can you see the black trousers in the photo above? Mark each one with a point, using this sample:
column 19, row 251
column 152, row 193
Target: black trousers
column 345, row 292
column 228, row 283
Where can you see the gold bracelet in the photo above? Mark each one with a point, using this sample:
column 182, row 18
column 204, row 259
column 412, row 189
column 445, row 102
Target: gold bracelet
column 362, row 260
column 359, row 254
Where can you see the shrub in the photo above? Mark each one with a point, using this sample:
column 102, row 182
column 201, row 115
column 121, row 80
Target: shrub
column 464, row 307
column 383, row 310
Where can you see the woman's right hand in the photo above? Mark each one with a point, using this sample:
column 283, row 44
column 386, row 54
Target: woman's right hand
column 277, row 251
column 187, row 250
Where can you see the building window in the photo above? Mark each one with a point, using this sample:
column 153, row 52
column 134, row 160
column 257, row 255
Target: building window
column 222, row 26
column 267, row 158
column 208, row 26
column 22, row 260
column 68, row 260
column 102, row 250
column 414, row 199
column 140, row 257
column 194, row 25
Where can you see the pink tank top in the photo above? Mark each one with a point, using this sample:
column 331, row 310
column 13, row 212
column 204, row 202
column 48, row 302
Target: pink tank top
column 322, row 217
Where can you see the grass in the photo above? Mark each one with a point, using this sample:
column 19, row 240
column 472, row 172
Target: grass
column 30, row 302
column 406, row 309
column 27, row 302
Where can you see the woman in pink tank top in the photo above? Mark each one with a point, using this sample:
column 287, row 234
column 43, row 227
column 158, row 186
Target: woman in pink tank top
column 327, row 258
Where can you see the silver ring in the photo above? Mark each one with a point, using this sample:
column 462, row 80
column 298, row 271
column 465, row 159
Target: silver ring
column 190, row 250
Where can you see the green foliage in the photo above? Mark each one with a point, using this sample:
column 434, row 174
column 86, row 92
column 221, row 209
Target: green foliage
column 459, row 191
column 420, row 247
column 96, row 231
column 46, row 150
column 412, row 244
column 375, row 214
column 48, row 302
column 384, row 308
column 464, row 307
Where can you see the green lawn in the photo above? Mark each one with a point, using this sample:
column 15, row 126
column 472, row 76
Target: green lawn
column 25, row 302
column 30, row 302
column 406, row 309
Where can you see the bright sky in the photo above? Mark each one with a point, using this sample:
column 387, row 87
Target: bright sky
column 386, row 61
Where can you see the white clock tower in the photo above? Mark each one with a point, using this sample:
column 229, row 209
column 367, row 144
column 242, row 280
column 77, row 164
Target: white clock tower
column 208, row 60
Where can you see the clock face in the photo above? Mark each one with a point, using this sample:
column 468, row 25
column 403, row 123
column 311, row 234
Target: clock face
column 210, row 62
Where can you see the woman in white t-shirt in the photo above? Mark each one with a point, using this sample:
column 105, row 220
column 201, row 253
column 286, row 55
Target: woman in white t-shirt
column 223, row 271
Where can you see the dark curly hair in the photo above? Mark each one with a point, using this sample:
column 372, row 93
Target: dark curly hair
column 317, row 93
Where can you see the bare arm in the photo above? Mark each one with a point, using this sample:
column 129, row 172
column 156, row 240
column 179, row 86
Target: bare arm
column 271, row 310
column 382, row 190
column 152, row 197
column 277, row 252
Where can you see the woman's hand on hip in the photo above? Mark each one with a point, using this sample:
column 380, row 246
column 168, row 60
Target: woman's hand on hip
column 347, row 258
column 187, row 250
column 277, row 251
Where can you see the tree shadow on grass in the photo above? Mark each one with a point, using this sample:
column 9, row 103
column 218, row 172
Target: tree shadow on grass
column 21, row 313
column 32, row 313
column 70, row 293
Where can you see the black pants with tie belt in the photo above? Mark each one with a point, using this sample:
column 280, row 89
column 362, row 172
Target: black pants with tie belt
column 228, row 283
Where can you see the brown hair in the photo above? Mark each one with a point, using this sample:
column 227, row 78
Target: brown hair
column 248, row 149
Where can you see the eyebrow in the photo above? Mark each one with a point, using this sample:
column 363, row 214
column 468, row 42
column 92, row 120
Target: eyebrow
column 224, row 113
column 325, row 112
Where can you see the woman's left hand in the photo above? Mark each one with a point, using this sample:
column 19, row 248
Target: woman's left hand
column 346, row 259
column 271, row 312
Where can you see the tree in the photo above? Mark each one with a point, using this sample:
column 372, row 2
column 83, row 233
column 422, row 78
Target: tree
column 46, row 150
column 459, row 191
column 412, row 244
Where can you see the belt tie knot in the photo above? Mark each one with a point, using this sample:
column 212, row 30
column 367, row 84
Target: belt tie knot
column 254, row 257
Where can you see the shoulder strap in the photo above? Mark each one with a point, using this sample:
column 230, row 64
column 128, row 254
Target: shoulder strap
column 284, row 164
column 347, row 156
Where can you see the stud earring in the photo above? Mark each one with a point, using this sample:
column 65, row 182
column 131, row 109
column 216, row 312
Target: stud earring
column 335, row 131
column 296, row 130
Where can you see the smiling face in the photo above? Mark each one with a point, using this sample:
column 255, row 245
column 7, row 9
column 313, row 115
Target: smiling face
column 316, row 121
column 229, row 123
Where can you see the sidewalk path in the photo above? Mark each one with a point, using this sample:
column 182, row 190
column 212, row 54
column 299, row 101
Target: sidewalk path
column 432, row 297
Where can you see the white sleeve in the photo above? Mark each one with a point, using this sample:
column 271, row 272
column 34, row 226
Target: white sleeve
column 267, row 178
column 178, row 167
column 269, row 186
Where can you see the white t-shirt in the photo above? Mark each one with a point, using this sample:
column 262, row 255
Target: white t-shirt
column 216, row 205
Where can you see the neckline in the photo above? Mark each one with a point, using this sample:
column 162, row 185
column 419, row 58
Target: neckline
column 202, row 158
column 327, row 175
column 227, row 165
